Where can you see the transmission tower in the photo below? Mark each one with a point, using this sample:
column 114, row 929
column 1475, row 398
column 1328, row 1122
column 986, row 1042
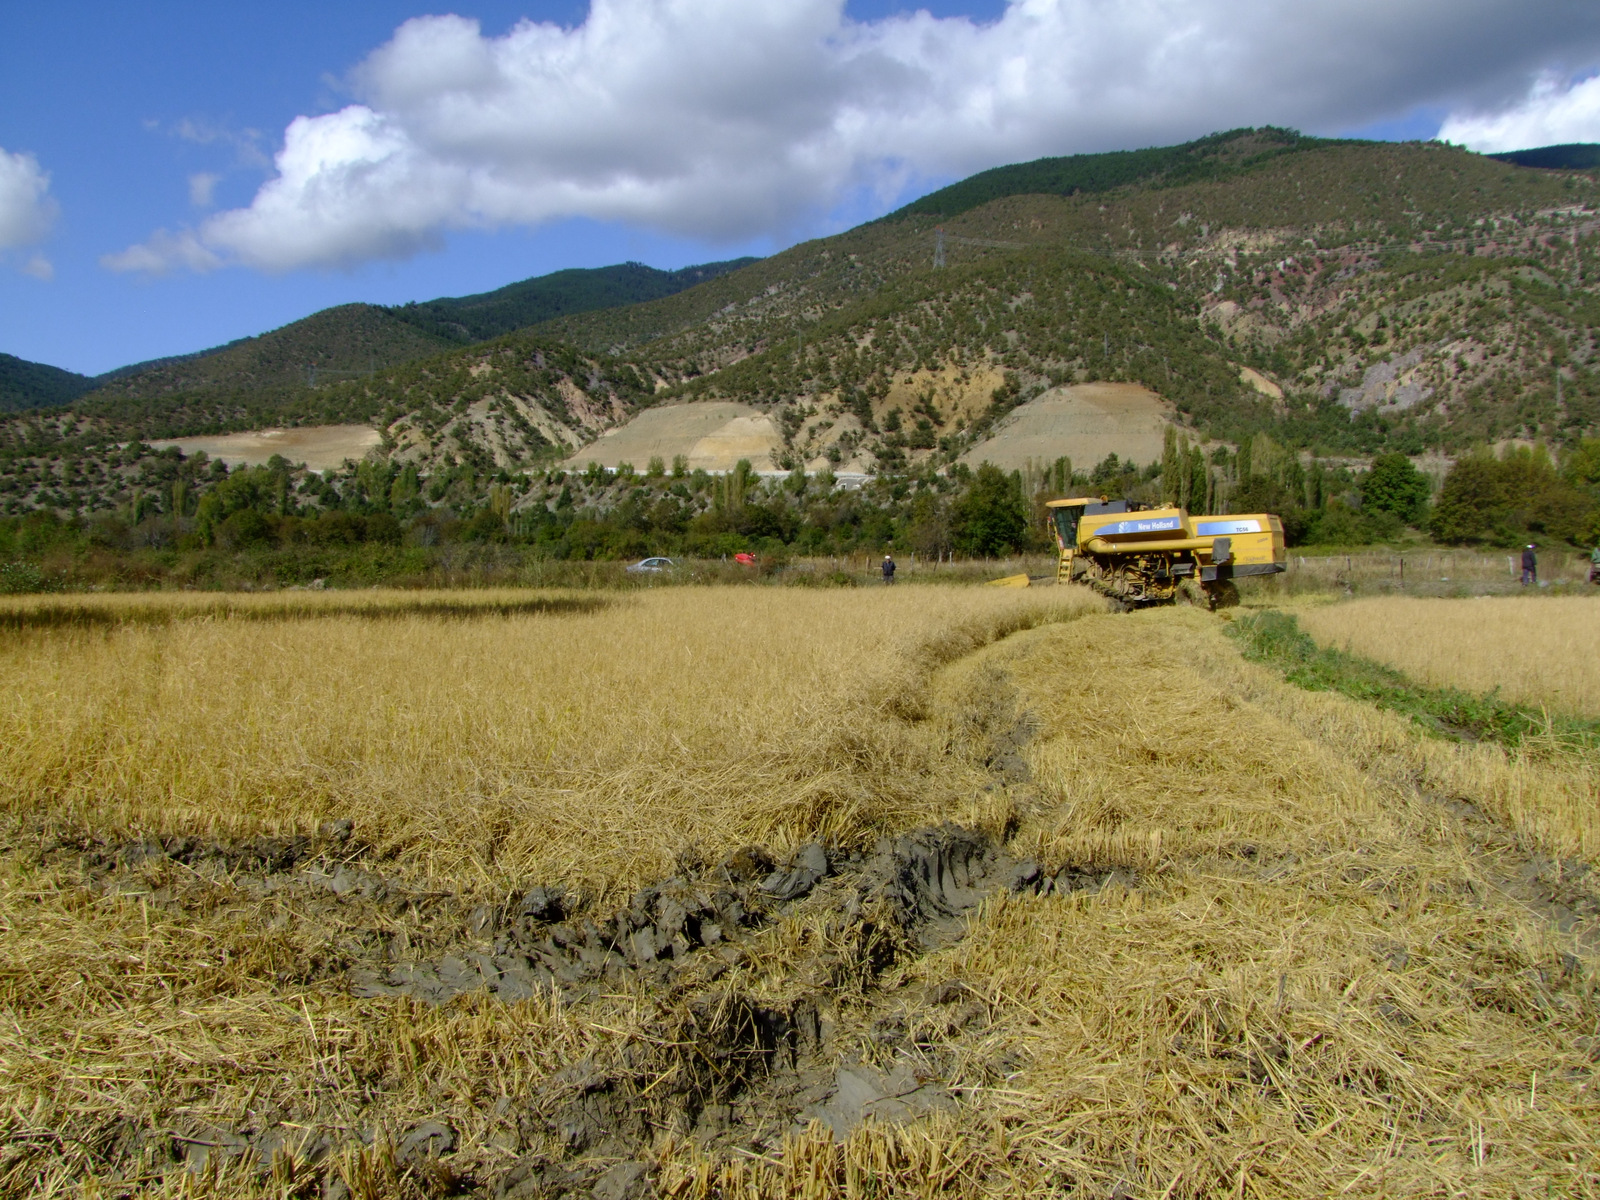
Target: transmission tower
column 938, row 247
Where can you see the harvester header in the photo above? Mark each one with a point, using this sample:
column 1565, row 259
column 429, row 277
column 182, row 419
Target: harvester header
column 1139, row 555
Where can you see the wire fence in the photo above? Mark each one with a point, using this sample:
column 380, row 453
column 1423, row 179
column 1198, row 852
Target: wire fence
column 1424, row 573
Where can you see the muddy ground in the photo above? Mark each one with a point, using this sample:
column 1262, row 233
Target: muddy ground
column 741, row 1074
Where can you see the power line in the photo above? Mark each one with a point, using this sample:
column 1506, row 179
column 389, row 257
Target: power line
column 940, row 237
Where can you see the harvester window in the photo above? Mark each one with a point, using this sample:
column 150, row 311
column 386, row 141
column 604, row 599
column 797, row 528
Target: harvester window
column 1066, row 525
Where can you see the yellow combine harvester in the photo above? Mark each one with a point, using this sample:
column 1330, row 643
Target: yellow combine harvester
column 1141, row 555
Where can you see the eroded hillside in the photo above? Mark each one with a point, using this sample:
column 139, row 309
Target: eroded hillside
column 1411, row 293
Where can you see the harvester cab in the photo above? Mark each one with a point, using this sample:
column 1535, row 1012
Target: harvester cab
column 1138, row 554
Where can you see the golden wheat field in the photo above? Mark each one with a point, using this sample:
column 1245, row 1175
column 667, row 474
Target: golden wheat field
column 1534, row 650
column 716, row 892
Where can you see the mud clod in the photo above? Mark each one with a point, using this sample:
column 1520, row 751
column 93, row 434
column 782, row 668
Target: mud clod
column 746, row 865
column 591, row 1113
column 543, row 904
column 808, row 868
column 428, row 1140
column 625, row 1181
column 536, row 1178
column 928, row 880
column 863, row 1093
column 1005, row 758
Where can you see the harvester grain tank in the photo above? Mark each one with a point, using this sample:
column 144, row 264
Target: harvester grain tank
column 1141, row 555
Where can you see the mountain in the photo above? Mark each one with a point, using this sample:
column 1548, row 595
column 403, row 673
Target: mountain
column 170, row 360
column 1414, row 295
column 1336, row 298
column 1343, row 297
column 1572, row 156
column 25, row 385
column 350, row 339
column 561, row 293
column 250, row 378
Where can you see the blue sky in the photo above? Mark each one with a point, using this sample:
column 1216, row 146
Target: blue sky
column 642, row 133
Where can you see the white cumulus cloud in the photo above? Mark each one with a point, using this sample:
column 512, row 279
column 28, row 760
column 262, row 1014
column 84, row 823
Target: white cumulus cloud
column 27, row 211
column 1553, row 113
column 726, row 119
column 163, row 252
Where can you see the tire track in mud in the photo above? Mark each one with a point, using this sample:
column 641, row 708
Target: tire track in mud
column 712, row 1064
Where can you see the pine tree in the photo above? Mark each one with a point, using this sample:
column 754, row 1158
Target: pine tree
column 1171, row 485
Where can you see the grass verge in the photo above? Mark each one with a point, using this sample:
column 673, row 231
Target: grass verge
column 1276, row 639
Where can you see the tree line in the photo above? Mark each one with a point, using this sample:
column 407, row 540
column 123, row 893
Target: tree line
column 292, row 523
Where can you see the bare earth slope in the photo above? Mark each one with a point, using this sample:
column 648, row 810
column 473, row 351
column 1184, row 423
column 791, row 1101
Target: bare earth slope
column 713, row 437
column 1084, row 422
column 320, row 447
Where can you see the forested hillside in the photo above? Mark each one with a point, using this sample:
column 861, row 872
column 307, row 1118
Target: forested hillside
column 25, row 385
column 1413, row 297
column 335, row 343
column 509, row 403
column 1209, row 158
column 1398, row 295
column 546, row 297
column 275, row 377
column 1571, row 156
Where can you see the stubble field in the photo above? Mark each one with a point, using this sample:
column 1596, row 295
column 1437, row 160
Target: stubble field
column 1536, row 650
column 740, row 891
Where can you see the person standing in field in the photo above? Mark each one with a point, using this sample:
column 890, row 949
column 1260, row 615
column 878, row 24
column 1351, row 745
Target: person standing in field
column 1530, row 565
column 1594, row 565
column 888, row 569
